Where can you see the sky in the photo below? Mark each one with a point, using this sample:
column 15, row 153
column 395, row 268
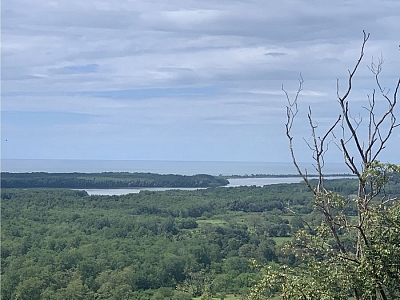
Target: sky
column 185, row 80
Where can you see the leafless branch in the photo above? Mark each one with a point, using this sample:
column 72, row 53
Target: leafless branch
column 360, row 153
column 291, row 112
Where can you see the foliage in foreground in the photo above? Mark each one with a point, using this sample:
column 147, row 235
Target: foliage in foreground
column 327, row 274
column 347, row 255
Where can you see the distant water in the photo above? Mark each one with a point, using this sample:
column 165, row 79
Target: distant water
column 161, row 167
column 119, row 192
column 233, row 182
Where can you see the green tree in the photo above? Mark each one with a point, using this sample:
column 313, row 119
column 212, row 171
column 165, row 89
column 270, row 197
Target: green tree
column 29, row 289
column 196, row 284
column 346, row 255
column 117, row 284
column 75, row 290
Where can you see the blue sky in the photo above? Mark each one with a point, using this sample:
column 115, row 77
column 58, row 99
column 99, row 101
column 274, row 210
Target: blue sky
column 183, row 80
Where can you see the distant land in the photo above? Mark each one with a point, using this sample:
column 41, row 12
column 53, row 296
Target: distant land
column 215, row 168
column 108, row 180
column 119, row 180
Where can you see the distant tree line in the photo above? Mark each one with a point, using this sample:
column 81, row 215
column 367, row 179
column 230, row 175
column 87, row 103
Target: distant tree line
column 106, row 180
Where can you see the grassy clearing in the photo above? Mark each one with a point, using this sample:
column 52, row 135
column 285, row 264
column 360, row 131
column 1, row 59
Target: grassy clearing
column 225, row 219
column 217, row 222
column 239, row 218
column 233, row 297
column 280, row 240
column 287, row 217
column 227, row 297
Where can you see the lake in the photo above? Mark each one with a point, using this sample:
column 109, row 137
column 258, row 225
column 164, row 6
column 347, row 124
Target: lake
column 233, row 182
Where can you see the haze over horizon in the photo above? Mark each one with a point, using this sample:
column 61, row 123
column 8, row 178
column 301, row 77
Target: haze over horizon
column 184, row 81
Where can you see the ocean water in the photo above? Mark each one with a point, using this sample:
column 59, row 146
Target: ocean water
column 161, row 167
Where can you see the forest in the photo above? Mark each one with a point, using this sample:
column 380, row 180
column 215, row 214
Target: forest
column 107, row 180
column 209, row 243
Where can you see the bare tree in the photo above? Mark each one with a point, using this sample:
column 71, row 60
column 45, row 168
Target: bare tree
column 371, row 174
column 370, row 269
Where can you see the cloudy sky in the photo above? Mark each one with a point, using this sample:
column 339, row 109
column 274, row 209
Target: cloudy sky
column 184, row 79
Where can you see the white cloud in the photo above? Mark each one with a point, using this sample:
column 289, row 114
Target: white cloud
column 75, row 56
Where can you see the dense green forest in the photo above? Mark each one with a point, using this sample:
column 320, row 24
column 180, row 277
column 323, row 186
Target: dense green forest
column 65, row 244
column 106, row 180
